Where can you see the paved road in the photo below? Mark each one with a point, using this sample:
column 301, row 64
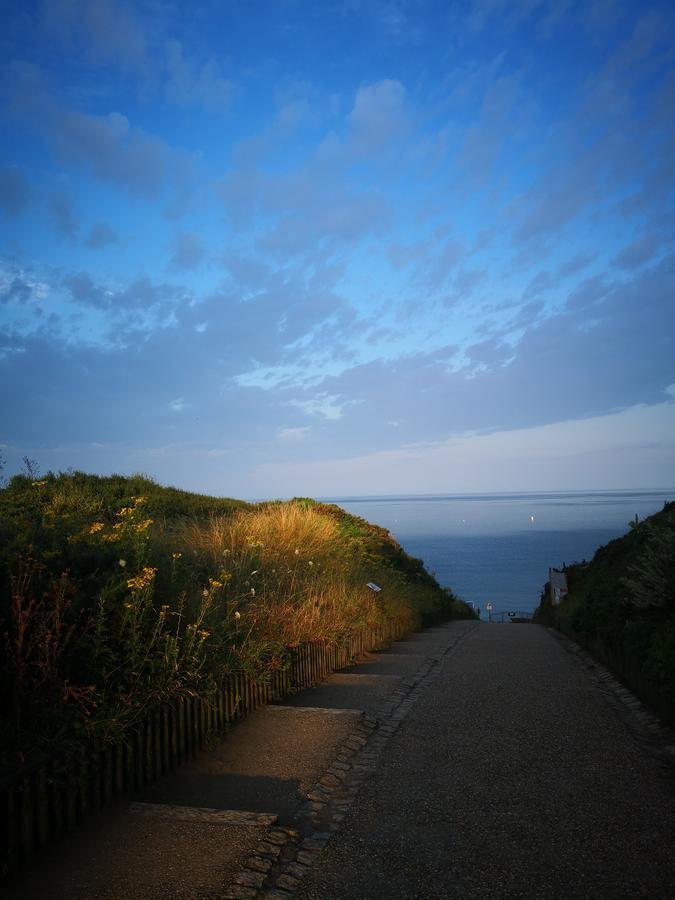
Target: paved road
column 511, row 777
column 166, row 845
column 497, row 771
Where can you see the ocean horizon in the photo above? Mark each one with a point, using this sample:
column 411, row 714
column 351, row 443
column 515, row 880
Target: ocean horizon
column 498, row 546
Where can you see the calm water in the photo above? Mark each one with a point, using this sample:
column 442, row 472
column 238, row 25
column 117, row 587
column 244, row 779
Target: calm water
column 499, row 547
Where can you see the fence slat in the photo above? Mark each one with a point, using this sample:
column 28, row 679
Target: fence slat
column 27, row 814
column 53, row 799
column 42, row 806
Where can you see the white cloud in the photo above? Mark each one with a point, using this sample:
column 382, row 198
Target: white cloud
column 190, row 83
column 325, row 405
column 110, row 33
column 108, row 145
column 380, row 116
column 294, row 434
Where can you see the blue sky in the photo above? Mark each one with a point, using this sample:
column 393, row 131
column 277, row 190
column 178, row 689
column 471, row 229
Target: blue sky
column 370, row 246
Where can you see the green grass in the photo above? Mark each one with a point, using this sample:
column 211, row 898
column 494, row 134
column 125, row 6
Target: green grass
column 118, row 594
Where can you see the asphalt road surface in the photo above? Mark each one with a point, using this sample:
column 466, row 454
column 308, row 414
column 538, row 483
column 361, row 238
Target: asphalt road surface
column 512, row 777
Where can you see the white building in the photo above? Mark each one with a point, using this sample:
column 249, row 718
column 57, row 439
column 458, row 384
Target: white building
column 558, row 582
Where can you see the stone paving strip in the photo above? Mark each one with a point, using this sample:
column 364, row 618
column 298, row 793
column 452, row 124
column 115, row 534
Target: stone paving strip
column 145, row 853
column 315, row 709
column 204, row 815
column 347, row 690
column 330, row 798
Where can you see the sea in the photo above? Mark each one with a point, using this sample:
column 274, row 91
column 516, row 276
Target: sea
column 497, row 548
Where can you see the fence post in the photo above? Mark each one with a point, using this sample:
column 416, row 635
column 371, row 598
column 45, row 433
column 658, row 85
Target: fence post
column 42, row 806
column 27, row 817
column 56, row 797
column 83, row 786
column 107, row 791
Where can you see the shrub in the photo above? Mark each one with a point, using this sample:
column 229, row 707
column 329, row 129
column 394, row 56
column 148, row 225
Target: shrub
column 622, row 606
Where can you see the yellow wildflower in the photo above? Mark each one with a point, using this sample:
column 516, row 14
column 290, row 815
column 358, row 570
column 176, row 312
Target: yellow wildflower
column 176, row 555
column 123, row 562
column 95, row 526
column 214, row 583
column 38, row 483
column 142, row 526
column 142, row 580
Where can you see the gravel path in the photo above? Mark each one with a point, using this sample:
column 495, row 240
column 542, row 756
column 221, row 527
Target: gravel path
column 511, row 777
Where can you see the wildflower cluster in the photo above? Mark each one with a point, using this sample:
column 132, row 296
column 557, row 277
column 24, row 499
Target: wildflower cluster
column 129, row 524
column 128, row 517
column 143, row 579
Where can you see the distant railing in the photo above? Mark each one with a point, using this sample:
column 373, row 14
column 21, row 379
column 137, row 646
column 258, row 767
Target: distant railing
column 51, row 797
column 517, row 616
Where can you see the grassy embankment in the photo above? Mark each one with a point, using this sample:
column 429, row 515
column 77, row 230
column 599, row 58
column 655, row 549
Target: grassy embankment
column 621, row 606
column 117, row 594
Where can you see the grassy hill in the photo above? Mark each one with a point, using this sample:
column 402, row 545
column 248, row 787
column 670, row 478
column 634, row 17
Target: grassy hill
column 621, row 605
column 117, row 594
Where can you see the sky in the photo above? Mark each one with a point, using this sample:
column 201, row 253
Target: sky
column 266, row 249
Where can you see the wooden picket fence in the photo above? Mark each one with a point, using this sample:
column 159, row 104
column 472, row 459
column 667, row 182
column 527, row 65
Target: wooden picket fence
column 50, row 798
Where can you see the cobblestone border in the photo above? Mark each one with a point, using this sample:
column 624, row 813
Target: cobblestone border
column 649, row 732
column 285, row 855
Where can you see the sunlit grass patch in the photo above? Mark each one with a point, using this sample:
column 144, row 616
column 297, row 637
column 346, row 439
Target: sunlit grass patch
column 120, row 595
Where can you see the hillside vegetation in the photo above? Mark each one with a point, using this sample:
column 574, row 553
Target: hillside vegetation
column 621, row 605
column 117, row 594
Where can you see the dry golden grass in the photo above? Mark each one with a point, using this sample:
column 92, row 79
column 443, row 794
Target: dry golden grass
column 291, row 574
column 169, row 600
column 279, row 529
